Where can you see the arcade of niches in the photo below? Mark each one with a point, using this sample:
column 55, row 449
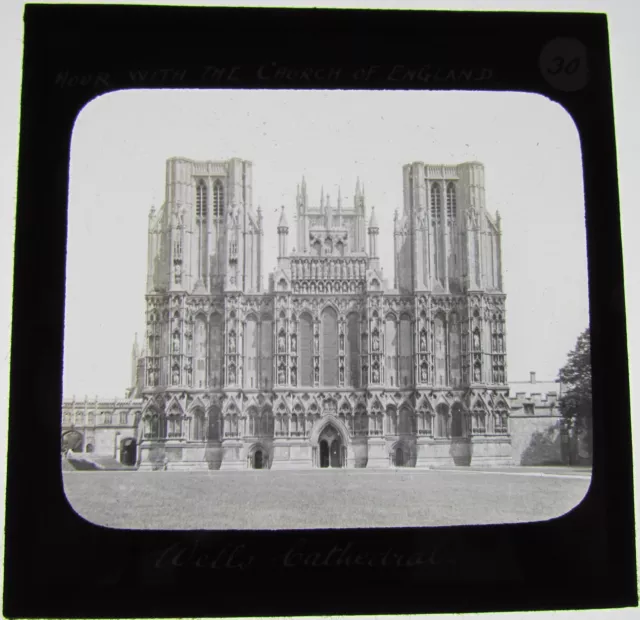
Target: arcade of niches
column 326, row 364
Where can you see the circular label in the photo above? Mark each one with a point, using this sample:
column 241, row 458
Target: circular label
column 563, row 63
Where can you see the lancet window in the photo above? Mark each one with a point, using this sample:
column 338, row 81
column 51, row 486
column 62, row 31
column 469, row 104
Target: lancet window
column 218, row 199
column 436, row 202
column 451, row 201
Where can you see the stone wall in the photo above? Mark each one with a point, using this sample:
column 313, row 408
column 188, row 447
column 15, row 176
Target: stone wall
column 535, row 427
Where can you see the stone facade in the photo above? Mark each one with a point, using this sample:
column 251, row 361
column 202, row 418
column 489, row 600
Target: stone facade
column 103, row 427
column 323, row 362
column 537, row 432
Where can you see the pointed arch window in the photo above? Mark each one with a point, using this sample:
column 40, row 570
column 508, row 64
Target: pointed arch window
column 478, row 420
column 442, row 420
column 200, row 358
column 306, row 350
column 455, row 362
column 198, row 427
column 216, row 352
column 201, row 200
column 500, row 421
column 451, row 201
column 218, row 199
column 251, row 350
column 391, row 348
column 265, row 351
column 436, row 202
column 213, row 432
column 457, row 421
column 353, row 350
column 329, row 347
column 405, row 352
column 201, row 221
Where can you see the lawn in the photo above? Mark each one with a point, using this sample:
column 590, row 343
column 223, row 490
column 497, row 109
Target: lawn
column 323, row 498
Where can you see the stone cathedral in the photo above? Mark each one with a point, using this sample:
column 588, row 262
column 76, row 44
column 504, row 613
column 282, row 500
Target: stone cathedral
column 322, row 362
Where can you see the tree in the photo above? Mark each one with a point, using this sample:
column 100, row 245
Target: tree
column 72, row 441
column 576, row 403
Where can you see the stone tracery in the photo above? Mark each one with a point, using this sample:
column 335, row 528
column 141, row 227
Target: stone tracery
column 437, row 330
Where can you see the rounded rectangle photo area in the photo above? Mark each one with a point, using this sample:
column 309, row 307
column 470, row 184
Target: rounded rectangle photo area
column 315, row 309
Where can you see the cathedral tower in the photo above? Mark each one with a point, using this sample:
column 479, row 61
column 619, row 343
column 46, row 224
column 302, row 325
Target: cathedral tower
column 206, row 237
column 205, row 241
column 447, row 242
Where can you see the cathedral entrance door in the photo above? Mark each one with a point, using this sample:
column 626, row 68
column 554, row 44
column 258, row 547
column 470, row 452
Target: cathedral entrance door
column 336, row 453
column 330, row 444
column 324, row 453
column 399, row 457
column 257, row 460
column 128, row 451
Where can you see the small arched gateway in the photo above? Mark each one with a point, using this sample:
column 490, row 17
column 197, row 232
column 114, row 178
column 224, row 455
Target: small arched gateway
column 329, row 440
column 72, row 440
column 400, row 455
column 128, row 451
column 258, row 457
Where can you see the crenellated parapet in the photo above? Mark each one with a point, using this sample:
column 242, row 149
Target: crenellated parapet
column 535, row 403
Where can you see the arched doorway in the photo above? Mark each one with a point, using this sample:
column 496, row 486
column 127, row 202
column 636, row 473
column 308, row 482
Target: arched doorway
column 72, row 440
column 257, row 459
column 336, row 453
column 128, row 451
column 332, row 453
column 399, row 457
column 324, row 453
column 457, row 425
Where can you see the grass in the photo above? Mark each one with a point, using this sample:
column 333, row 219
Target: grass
column 322, row 499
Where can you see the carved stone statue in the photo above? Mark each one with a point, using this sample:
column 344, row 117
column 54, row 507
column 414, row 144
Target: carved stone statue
column 375, row 342
column 476, row 374
column 232, row 344
column 472, row 217
column 176, row 342
column 316, row 342
column 423, row 342
column 232, row 375
column 376, row 375
column 341, row 375
column 282, row 344
column 281, row 376
column 423, row 375
column 317, row 374
column 175, row 377
column 476, row 340
column 293, row 343
column 293, row 376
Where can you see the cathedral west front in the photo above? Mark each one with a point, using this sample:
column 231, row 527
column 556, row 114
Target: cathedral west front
column 323, row 362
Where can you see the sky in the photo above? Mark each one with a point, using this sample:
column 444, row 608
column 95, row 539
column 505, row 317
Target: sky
column 533, row 175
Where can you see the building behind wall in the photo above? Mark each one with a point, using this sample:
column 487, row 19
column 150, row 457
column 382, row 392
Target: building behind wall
column 537, row 432
column 322, row 362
